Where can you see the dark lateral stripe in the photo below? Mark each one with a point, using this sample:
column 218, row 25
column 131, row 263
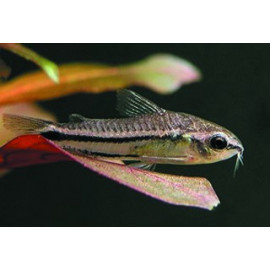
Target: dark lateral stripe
column 106, row 154
column 57, row 136
column 99, row 154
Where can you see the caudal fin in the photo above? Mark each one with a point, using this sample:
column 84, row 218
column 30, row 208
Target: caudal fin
column 24, row 125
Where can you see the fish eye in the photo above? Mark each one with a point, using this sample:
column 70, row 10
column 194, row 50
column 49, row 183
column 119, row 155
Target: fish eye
column 218, row 142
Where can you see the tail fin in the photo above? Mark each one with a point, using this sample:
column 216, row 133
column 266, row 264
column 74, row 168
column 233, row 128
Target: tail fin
column 24, row 125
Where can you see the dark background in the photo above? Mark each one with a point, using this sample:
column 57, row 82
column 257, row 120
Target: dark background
column 234, row 93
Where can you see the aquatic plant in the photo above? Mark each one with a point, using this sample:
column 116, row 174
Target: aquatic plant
column 161, row 73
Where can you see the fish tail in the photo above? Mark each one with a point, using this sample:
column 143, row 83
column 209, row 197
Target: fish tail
column 24, row 125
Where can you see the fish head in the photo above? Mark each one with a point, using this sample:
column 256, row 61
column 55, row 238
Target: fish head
column 213, row 143
column 218, row 146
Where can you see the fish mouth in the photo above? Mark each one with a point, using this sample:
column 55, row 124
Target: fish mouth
column 239, row 148
column 239, row 159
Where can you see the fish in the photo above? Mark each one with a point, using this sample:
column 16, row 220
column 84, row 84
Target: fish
column 4, row 70
column 146, row 135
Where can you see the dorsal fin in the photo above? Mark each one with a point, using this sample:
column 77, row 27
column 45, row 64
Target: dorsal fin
column 132, row 104
column 76, row 118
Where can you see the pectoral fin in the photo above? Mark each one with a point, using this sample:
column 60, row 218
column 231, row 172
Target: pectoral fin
column 143, row 166
column 168, row 160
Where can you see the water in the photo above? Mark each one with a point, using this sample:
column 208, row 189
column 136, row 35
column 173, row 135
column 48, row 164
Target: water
column 234, row 93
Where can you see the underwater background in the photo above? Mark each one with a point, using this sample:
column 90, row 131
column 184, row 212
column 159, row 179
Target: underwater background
column 234, row 92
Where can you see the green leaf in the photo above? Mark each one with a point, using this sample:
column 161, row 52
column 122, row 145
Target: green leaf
column 48, row 66
column 161, row 73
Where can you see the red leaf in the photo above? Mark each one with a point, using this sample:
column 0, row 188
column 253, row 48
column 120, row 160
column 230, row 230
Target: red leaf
column 29, row 150
column 180, row 190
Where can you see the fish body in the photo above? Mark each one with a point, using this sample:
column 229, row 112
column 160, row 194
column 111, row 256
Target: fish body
column 149, row 134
